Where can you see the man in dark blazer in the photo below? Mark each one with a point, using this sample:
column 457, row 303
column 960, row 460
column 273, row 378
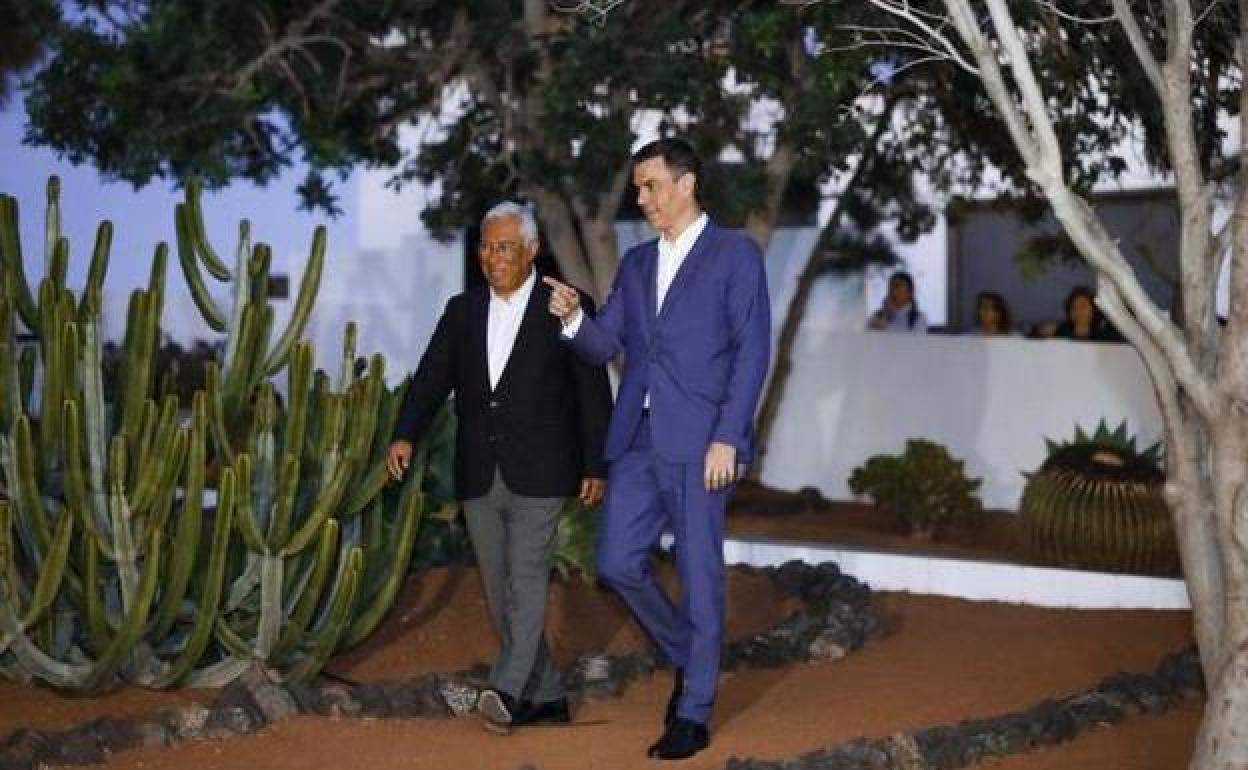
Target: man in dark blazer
column 690, row 313
column 532, row 419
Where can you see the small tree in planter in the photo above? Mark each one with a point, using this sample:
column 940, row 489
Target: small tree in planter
column 925, row 486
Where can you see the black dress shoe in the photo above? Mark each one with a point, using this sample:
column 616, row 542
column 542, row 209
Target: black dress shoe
column 498, row 710
column 547, row 713
column 682, row 740
column 678, row 689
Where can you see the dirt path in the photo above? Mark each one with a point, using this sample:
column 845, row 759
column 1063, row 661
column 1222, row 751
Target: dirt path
column 946, row 660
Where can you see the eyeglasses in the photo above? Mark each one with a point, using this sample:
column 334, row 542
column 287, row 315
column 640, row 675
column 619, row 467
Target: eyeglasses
column 502, row 248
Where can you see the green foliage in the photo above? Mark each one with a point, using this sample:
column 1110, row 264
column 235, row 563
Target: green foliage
column 1097, row 503
column 160, row 88
column 122, row 557
column 443, row 537
column 925, row 486
column 576, row 540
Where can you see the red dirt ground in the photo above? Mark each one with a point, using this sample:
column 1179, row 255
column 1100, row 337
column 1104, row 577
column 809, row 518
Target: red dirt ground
column 944, row 660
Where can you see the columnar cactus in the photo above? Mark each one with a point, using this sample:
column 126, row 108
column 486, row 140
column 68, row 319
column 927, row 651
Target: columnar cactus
column 113, row 564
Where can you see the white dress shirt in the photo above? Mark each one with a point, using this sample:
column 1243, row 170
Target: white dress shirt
column 672, row 255
column 506, row 313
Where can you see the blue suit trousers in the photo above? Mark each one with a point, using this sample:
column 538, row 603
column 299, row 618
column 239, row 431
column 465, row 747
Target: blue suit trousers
column 645, row 495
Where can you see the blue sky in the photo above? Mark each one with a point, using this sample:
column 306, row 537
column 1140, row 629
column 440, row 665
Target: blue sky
column 141, row 218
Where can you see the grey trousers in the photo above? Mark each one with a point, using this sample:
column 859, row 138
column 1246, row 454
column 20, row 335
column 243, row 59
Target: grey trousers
column 514, row 539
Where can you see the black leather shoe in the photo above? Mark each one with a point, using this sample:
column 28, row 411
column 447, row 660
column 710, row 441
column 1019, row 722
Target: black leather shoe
column 678, row 689
column 682, row 740
column 498, row 710
column 550, row 712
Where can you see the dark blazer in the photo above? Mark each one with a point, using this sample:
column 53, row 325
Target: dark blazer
column 545, row 424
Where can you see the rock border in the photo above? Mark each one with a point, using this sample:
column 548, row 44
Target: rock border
column 836, row 618
column 1177, row 678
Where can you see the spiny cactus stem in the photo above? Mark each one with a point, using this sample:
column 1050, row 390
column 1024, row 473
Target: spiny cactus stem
column 284, row 503
column 299, row 378
column 48, row 583
column 92, row 295
column 241, row 288
column 308, row 288
column 25, row 487
column 194, row 280
column 411, row 510
column 14, row 267
column 95, row 414
column 10, row 393
column 326, row 502
column 336, row 619
column 212, row 262
column 309, row 597
column 346, row 375
column 271, row 616
column 136, row 614
column 52, row 222
column 124, row 547
column 213, row 586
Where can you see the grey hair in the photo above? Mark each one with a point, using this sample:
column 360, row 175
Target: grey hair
column 528, row 225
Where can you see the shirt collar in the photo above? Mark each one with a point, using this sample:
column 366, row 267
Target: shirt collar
column 684, row 242
column 519, row 296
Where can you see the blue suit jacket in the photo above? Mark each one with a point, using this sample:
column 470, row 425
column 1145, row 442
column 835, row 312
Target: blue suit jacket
column 702, row 358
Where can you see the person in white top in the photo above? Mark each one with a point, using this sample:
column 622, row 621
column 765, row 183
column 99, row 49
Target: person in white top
column 900, row 310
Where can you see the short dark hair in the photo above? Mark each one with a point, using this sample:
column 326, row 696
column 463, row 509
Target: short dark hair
column 679, row 157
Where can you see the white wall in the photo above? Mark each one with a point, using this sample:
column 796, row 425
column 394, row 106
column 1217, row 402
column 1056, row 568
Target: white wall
column 990, row 402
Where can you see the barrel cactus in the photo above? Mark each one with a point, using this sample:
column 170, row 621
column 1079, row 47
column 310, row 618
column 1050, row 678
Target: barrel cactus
column 1096, row 503
column 121, row 557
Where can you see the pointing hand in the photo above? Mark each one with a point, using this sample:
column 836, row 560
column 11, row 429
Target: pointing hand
column 564, row 300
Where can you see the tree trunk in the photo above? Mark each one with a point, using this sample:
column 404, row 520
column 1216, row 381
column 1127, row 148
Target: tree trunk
column 559, row 227
column 1222, row 743
column 602, row 252
column 779, row 171
column 796, row 311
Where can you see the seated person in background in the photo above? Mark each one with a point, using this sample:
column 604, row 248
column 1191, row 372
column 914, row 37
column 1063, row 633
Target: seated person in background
column 900, row 311
column 992, row 315
column 1083, row 320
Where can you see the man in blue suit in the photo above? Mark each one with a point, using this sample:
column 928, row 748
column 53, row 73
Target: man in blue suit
column 689, row 312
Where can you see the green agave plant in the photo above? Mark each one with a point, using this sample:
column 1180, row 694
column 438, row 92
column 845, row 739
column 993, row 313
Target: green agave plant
column 1096, row 503
column 142, row 544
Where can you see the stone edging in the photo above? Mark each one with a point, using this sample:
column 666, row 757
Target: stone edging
column 836, row 618
column 1050, row 722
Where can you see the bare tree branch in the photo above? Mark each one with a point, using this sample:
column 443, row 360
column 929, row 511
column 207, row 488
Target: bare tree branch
column 293, row 36
column 1034, row 103
column 930, row 25
column 1139, row 44
column 1068, row 16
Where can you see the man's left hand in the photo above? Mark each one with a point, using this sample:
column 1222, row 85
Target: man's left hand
column 721, row 466
column 592, row 491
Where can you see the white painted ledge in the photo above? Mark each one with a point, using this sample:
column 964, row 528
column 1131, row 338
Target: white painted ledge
column 970, row 579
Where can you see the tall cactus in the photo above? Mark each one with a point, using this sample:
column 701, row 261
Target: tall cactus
column 115, row 563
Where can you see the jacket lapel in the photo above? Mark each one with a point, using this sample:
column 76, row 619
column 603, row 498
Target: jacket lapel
column 478, row 344
column 690, row 267
column 650, row 282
